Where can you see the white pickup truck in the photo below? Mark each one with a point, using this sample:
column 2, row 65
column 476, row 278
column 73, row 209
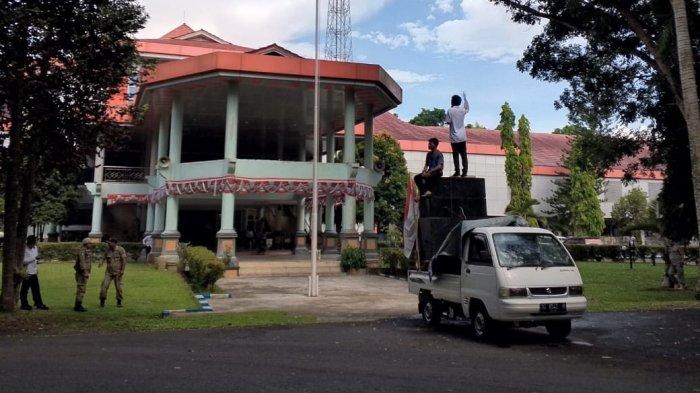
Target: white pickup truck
column 501, row 276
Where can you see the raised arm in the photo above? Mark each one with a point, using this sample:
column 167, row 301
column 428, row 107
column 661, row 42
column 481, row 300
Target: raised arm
column 466, row 103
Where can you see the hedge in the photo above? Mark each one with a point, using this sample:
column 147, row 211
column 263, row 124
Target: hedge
column 592, row 252
column 66, row 251
column 392, row 258
column 201, row 267
column 352, row 258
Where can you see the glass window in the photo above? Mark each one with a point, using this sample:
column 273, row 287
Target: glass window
column 530, row 249
column 478, row 252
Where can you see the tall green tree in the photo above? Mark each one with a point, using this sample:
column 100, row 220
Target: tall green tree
column 586, row 216
column 54, row 197
column 624, row 60
column 518, row 164
column 429, row 117
column 575, row 205
column 390, row 193
column 630, row 210
column 60, row 63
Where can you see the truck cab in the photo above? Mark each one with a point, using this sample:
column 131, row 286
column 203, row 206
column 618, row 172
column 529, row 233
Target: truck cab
column 502, row 276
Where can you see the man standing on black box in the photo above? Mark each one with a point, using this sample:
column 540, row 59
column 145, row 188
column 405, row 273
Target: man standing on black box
column 432, row 172
column 458, row 135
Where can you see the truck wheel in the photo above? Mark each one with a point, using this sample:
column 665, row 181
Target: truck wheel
column 559, row 329
column 481, row 324
column 431, row 312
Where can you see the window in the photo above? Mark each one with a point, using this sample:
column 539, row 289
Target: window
column 132, row 86
column 530, row 249
column 478, row 253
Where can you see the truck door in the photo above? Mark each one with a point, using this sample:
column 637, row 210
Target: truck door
column 478, row 274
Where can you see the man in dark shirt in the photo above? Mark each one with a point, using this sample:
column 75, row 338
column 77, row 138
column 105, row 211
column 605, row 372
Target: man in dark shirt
column 432, row 172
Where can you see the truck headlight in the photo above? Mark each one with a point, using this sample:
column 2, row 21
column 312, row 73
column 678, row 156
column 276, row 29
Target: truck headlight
column 576, row 290
column 512, row 292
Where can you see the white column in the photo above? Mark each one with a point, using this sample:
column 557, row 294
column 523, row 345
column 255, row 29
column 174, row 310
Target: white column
column 330, row 203
column 175, row 154
column 368, row 211
column 150, row 214
column 96, row 227
column 348, row 226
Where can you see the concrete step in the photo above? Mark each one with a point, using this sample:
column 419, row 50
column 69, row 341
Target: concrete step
column 284, row 269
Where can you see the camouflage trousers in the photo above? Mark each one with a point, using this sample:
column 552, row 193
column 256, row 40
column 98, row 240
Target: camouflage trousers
column 81, row 283
column 109, row 277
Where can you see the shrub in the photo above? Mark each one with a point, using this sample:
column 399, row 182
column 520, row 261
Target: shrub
column 392, row 258
column 66, row 251
column 352, row 258
column 201, row 267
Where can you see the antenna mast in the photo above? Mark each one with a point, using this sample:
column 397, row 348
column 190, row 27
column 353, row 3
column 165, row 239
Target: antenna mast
column 338, row 39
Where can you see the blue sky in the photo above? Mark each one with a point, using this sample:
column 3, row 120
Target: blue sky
column 433, row 48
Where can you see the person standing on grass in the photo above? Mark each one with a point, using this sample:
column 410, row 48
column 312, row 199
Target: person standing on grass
column 31, row 256
column 115, row 257
column 432, row 172
column 83, row 265
column 454, row 117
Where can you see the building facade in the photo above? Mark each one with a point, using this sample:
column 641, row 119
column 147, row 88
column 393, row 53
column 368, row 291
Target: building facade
column 226, row 143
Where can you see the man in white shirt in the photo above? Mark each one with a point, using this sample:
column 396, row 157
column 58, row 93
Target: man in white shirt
column 31, row 254
column 454, row 117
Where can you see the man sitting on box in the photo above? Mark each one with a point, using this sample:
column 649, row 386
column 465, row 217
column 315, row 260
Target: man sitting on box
column 434, row 162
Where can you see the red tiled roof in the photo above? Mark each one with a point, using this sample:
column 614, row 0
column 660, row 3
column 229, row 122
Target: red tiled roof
column 274, row 48
column 178, row 31
column 548, row 150
column 198, row 44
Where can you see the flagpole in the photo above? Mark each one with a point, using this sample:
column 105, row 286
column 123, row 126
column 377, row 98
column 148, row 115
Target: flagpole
column 313, row 279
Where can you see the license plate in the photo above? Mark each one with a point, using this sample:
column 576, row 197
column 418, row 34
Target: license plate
column 552, row 308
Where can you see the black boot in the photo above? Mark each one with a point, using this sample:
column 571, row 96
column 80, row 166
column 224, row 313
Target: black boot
column 102, row 302
column 119, row 302
column 79, row 307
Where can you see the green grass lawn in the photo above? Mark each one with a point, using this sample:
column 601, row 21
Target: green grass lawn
column 147, row 292
column 614, row 287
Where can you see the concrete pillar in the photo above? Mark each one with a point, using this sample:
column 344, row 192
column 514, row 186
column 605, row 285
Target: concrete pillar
column 330, row 236
column 170, row 235
column 300, row 248
column 150, row 214
column 348, row 234
column 369, row 236
column 98, row 177
column 226, row 237
column 96, row 228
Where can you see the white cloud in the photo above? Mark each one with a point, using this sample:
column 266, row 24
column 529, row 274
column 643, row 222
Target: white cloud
column 410, row 77
column 392, row 41
column 484, row 30
column 251, row 23
column 445, row 6
column 304, row 49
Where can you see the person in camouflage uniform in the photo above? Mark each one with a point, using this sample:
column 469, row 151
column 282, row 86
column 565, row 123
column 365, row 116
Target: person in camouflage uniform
column 83, row 263
column 675, row 256
column 115, row 257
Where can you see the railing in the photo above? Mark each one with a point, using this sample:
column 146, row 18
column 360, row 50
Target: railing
column 124, row 174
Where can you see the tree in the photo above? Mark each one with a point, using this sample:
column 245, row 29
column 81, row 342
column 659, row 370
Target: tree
column 569, row 129
column 518, row 164
column 60, row 63
column 390, row 193
column 636, row 56
column 429, row 117
column 575, row 205
column 54, row 197
column 630, row 210
column 586, row 217
column 476, row 125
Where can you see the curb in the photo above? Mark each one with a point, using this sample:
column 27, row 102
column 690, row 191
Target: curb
column 204, row 306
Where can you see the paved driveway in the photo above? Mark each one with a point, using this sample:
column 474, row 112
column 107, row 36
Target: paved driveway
column 341, row 298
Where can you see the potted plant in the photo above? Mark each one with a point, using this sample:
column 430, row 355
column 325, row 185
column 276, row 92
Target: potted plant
column 353, row 261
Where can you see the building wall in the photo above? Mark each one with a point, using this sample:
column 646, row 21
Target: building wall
column 492, row 169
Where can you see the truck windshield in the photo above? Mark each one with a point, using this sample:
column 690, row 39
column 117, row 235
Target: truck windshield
column 530, row 249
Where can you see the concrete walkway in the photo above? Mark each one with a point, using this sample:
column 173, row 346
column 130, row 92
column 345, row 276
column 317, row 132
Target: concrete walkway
column 341, row 298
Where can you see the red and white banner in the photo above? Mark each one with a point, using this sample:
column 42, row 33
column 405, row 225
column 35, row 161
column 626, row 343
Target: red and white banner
column 336, row 189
